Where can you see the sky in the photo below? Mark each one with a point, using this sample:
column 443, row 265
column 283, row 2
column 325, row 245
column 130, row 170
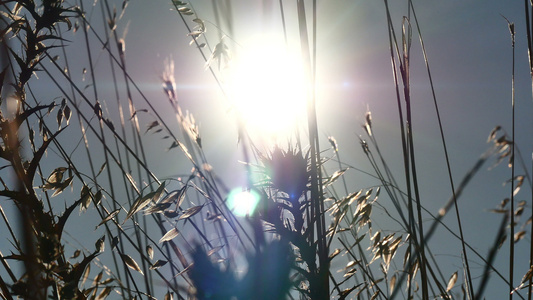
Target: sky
column 469, row 51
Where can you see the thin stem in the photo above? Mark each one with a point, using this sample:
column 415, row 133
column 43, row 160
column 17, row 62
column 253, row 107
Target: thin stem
column 529, row 26
column 512, row 219
column 448, row 166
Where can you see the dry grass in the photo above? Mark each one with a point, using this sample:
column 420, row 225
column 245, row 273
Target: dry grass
column 72, row 157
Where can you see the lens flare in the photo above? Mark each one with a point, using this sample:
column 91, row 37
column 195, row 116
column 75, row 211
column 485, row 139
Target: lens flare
column 243, row 203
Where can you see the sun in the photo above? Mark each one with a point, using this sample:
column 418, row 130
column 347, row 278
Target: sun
column 243, row 203
column 268, row 86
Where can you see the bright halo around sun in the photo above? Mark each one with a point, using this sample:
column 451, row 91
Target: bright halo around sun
column 243, row 203
column 268, row 87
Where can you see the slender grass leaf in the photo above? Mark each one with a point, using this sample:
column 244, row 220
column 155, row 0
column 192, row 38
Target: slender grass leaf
column 85, row 274
column 185, row 270
column 67, row 113
column 519, row 211
column 214, row 250
column 499, row 211
column 176, row 196
column 31, row 136
column 158, row 264
column 150, row 252
column 139, row 204
column 334, row 177
column 63, row 186
column 151, row 126
column 520, row 181
column 333, row 143
column 492, row 134
column 343, row 294
column 104, row 293
column 85, row 198
column 114, row 242
column 107, row 281
column 350, row 273
column 135, row 113
column 97, row 197
column 109, row 217
column 20, row 61
column 171, row 213
column 130, row 262
column 101, row 168
column 335, row 253
column 504, row 202
column 392, row 283
column 59, row 118
column 89, row 291
column 158, row 208
column 55, row 177
column 124, row 5
column 169, row 296
column 211, row 216
column 189, row 212
column 51, row 108
column 353, row 196
column 528, row 275
column 100, row 244
column 519, row 235
column 351, row 264
column 376, row 294
column 2, row 76
column 98, row 277
column 172, row 233
column 368, row 118
column 174, row 145
column 159, row 192
column 452, row 281
column 39, row 154
column 525, row 280
column 131, row 180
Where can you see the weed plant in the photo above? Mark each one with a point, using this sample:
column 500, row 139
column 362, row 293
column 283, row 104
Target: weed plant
column 86, row 215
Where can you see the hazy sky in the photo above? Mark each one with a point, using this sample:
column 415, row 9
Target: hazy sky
column 469, row 51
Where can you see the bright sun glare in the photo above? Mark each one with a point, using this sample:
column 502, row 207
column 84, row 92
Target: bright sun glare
column 243, row 203
column 268, row 87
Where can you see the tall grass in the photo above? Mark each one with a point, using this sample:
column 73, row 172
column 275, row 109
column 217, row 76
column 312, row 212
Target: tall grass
column 141, row 233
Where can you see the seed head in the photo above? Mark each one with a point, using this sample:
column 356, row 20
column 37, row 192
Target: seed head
column 287, row 171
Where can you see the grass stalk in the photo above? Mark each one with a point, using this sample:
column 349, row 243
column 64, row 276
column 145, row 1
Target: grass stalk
column 492, row 256
column 317, row 204
column 86, row 24
column 528, row 7
column 446, row 156
column 512, row 204
column 317, row 218
column 412, row 230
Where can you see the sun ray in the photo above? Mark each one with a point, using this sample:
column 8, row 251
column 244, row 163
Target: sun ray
column 267, row 85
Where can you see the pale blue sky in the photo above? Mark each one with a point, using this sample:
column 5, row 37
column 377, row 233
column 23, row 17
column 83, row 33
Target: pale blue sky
column 469, row 51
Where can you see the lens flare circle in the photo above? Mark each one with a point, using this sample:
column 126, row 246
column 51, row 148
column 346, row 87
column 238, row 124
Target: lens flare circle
column 267, row 85
column 243, row 203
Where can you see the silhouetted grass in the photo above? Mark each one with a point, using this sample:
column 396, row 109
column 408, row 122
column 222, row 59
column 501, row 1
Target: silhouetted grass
column 142, row 235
